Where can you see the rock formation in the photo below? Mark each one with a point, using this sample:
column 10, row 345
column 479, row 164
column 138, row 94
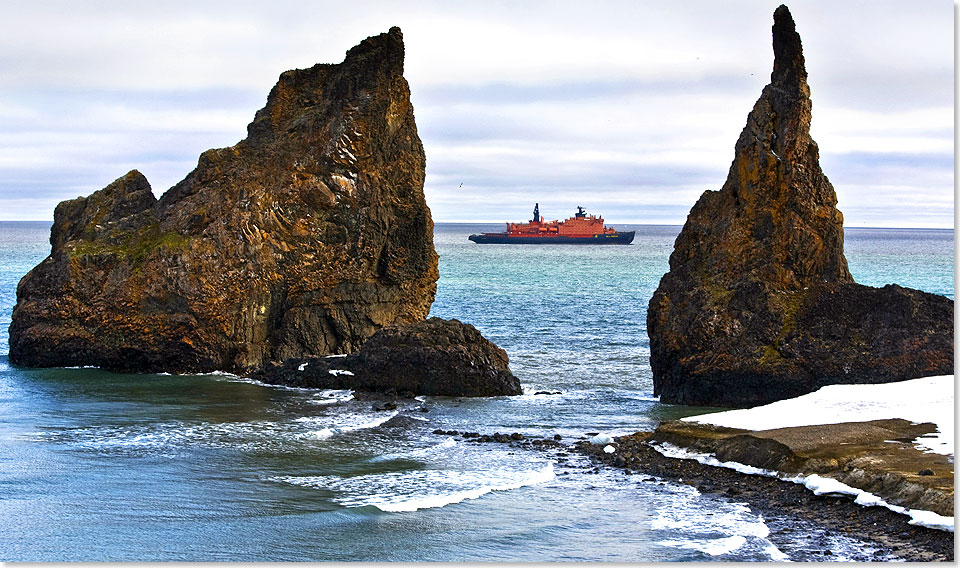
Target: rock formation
column 432, row 357
column 758, row 304
column 304, row 238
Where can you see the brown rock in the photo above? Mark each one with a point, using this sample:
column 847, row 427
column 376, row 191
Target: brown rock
column 758, row 304
column 432, row 357
column 305, row 238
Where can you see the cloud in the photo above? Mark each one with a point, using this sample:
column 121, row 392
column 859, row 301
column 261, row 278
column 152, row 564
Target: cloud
column 629, row 108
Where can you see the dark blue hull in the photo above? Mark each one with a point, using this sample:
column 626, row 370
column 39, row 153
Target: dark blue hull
column 624, row 238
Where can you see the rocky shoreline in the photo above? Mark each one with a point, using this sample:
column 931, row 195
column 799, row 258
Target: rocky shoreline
column 778, row 500
column 782, row 504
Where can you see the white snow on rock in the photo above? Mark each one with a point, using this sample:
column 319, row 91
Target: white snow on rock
column 336, row 372
column 818, row 484
column 929, row 399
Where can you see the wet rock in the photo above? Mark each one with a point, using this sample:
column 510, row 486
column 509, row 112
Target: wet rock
column 759, row 304
column 303, row 239
column 431, row 357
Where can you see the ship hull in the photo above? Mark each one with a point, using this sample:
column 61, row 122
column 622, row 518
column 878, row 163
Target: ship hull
column 624, row 238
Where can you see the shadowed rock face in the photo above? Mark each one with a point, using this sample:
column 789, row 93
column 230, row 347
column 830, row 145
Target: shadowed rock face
column 432, row 357
column 304, row 238
column 740, row 318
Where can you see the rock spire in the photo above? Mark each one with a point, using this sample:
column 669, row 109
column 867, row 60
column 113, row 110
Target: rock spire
column 740, row 318
column 305, row 238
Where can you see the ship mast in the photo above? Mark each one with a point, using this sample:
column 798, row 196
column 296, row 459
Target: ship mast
column 536, row 213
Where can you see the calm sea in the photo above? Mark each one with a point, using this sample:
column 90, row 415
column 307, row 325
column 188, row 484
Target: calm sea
column 99, row 466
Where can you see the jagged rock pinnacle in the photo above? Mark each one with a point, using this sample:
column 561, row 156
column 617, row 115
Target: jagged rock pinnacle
column 305, row 238
column 759, row 304
column 788, row 64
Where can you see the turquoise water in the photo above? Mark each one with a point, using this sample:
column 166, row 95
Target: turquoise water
column 101, row 466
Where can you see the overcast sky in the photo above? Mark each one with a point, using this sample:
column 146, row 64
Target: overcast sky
column 630, row 108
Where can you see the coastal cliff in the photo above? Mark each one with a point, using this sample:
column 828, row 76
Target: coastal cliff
column 758, row 304
column 305, row 238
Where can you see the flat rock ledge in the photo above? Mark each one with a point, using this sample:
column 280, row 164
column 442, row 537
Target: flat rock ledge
column 432, row 357
column 876, row 456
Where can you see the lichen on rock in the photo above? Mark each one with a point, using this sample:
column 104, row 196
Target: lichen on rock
column 304, row 238
column 759, row 304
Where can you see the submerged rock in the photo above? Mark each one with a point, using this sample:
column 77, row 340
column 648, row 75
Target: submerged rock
column 431, row 357
column 758, row 304
column 305, row 238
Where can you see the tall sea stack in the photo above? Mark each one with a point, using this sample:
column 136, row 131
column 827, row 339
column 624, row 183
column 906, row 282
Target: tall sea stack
column 303, row 239
column 758, row 304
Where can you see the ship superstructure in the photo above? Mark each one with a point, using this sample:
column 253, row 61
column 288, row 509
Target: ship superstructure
column 579, row 229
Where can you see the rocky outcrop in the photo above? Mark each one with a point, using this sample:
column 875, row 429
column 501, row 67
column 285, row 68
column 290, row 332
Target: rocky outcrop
column 432, row 357
column 758, row 304
column 878, row 456
column 305, row 238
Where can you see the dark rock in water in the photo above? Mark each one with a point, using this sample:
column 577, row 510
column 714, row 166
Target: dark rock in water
column 432, row 357
column 758, row 304
column 303, row 239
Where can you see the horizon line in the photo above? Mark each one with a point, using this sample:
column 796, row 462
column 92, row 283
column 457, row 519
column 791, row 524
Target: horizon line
column 646, row 224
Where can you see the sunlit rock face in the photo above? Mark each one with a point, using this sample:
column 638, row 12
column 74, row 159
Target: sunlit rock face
column 305, row 238
column 758, row 304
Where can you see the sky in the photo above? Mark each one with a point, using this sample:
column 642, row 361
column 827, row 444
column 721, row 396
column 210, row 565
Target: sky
column 629, row 108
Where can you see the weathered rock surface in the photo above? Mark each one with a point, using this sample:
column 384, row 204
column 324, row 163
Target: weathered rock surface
column 877, row 456
column 758, row 304
column 305, row 238
column 432, row 357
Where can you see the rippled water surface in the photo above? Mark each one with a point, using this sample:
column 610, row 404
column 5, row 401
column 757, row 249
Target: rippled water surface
column 101, row 466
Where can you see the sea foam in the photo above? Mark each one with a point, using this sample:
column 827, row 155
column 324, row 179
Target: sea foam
column 716, row 529
column 406, row 491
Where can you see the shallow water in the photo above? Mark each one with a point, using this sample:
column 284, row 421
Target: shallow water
column 101, row 466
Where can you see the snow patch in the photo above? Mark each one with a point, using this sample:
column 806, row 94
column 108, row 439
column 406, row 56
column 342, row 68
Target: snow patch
column 929, row 399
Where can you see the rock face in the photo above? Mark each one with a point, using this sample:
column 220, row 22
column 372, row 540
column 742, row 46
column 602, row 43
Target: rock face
column 305, row 238
column 758, row 304
column 432, row 357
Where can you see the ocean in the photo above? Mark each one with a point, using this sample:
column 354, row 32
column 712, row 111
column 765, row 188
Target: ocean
column 98, row 466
